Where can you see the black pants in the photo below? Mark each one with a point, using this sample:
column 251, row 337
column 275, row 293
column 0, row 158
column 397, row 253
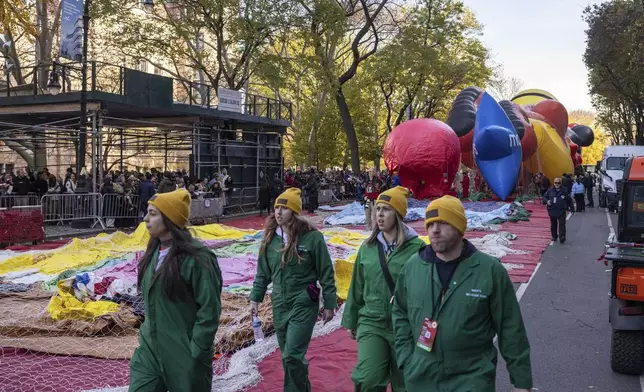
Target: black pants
column 589, row 195
column 581, row 203
column 312, row 204
column 561, row 222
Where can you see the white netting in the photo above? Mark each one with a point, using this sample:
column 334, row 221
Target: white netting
column 69, row 317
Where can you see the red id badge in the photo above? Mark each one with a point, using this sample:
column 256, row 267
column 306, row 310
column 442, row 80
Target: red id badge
column 427, row 335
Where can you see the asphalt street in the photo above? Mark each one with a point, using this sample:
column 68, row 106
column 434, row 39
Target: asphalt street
column 565, row 309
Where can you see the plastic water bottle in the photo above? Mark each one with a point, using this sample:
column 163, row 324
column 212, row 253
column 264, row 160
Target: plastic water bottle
column 257, row 329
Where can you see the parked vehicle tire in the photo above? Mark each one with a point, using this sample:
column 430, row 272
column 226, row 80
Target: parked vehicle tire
column 627, row 352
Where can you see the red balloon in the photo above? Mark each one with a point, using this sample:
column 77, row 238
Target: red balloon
column 574, row 153
column 423, row 150
column 467, row 158
column 466, row 141
column 555, row 113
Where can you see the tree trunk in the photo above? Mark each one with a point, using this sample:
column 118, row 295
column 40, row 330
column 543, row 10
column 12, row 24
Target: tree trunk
column 376, row 115
column 347, row 124
column 314, row 129
column 40, row 157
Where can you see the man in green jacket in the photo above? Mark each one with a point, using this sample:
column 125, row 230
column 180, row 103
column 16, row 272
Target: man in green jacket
column 450, row 301
column 367, row 311
column 293, row 255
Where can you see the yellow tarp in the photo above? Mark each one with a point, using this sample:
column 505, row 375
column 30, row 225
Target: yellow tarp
column 86, row 252
column 64, row 306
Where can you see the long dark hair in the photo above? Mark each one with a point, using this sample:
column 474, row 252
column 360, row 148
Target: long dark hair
column 297, row 227
column 183, row 246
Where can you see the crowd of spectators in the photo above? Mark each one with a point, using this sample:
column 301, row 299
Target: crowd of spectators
column 337, row 185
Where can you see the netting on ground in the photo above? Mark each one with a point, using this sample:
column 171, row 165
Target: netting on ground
column 69, row 316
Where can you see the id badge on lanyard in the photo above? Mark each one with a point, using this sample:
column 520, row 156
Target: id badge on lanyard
column 427, row 334
column 429, row 328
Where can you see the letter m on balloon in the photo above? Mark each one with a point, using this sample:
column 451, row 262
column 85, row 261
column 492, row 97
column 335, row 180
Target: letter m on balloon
column 514, row 140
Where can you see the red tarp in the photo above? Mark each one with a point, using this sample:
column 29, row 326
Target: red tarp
column 42, row 246
column 331, row 360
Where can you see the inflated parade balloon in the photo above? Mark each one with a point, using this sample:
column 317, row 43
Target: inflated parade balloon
column 497, row 147
column 584, row 134
column 423, row 151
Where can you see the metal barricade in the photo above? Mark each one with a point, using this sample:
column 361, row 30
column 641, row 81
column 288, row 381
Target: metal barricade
column 325, row 196
column 248, row 198
column 121, row 210
column 28, row 201
column 232, row 200
column 202, row 210
column 65, row 207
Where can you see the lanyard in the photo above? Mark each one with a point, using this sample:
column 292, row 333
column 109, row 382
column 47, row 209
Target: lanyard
column 392, row 246
column 436, row 302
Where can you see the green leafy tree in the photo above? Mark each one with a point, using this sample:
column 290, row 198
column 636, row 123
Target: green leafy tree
column 615, row 59
column 595, row 151
column 436, row 53
column 221, row 43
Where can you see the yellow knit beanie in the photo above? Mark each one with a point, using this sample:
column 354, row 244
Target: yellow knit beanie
column 174, row 205
column 447, row 209
column 291, row 199
column 396, row 198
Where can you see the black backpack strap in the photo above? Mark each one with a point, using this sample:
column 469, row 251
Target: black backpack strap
column 385, row 270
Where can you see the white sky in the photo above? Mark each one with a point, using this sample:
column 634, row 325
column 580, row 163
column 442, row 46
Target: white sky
column 539, row 42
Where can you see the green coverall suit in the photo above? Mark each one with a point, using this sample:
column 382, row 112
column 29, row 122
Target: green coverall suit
column 294, row 313
column 479, row 303
column 176, row 339
column 368, row 312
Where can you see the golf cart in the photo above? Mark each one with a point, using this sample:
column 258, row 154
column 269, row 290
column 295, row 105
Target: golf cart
column 625, row 249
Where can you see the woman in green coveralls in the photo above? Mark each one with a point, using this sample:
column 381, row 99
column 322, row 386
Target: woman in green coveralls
column 293, row 255
column 180, row 281
column 367, row 312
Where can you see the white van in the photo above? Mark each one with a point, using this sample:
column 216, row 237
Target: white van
column 611, row 171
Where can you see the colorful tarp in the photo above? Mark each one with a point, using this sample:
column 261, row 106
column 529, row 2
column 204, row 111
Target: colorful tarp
column 99, row 268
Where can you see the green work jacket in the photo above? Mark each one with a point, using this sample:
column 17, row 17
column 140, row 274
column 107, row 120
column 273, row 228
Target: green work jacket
column 369, row 299
column 479, row 304
column 180, row 335
column 292, row 281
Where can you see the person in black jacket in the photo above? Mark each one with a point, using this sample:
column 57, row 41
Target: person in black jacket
column 566, row 182
column 311, row 189
column 41, row 186
column 277, row 187
column 146, row 191
column 264, row 200
column 558, row 201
